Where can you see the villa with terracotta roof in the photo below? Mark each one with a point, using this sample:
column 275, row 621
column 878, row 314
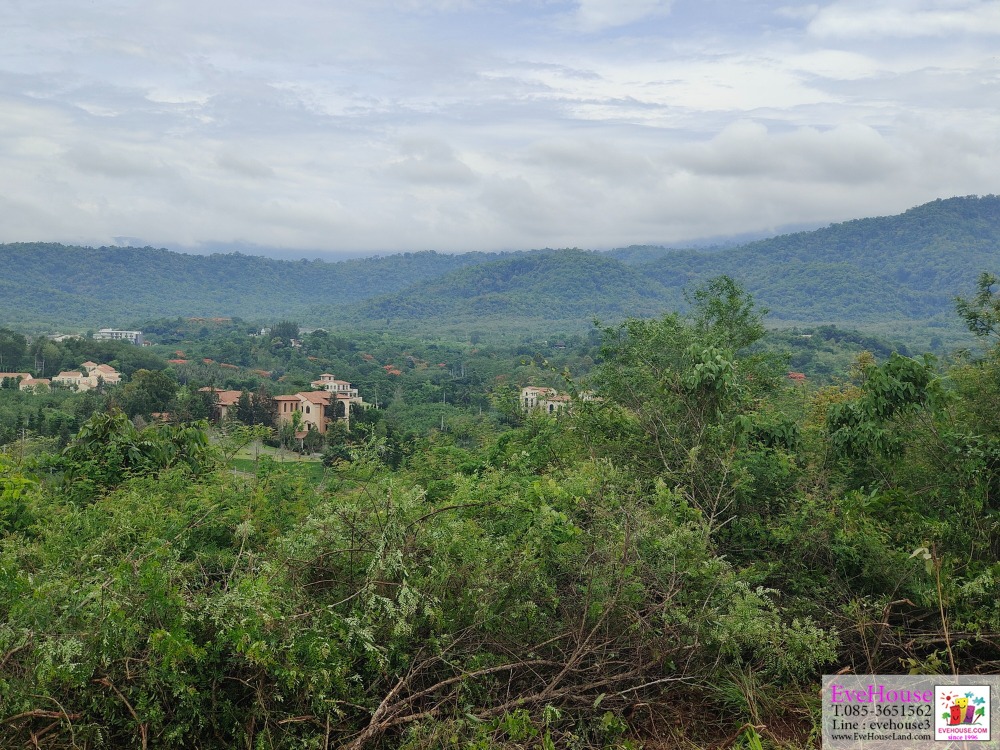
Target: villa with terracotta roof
column 316, row 409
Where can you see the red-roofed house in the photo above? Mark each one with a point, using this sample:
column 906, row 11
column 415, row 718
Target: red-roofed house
column 224, row 401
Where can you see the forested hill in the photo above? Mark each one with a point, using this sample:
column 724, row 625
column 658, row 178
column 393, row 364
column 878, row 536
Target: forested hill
column 899, row 272
column 904, row 270
column 61, row 284
column 909, row 266
column 561, row 287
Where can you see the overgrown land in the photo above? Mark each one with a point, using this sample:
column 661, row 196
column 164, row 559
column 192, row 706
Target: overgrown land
column 671, row 561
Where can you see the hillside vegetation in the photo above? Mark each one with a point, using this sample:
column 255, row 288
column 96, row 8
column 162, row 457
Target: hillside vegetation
column 900, row 273
column 674, row 564
column 60, row 284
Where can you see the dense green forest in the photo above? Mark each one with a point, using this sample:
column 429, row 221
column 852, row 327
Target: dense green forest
column 672, row 561
column 48, row 283
column 895, row 275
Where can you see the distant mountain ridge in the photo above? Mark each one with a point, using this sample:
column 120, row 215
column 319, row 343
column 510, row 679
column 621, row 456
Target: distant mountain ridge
column 903, row 268
column 48, row 282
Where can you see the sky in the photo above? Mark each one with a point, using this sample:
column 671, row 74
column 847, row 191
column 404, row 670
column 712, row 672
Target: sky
column 325, row 126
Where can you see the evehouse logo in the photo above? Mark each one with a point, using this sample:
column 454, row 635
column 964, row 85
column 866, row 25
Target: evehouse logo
column 962, row 712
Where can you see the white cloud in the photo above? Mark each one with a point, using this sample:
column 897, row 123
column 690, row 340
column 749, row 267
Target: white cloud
column 798, row 12
column 854, row 19
column 466, row 124
column 430, row 162
column 597, row 15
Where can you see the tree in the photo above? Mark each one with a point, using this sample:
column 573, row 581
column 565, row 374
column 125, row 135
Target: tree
column 193, row 405
column 108, row 449
column 147, row 392
column 680, row 404
column 244, row 409
column 12, row 348
column 286, row 330
column 724, row 313
column 257, row 408
column 265, row 408
column 982, row 313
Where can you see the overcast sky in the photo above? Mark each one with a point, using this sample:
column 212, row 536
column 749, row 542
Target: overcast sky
column 378, row 125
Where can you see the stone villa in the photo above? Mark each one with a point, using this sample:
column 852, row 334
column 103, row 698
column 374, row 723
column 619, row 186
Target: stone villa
column 549, row 400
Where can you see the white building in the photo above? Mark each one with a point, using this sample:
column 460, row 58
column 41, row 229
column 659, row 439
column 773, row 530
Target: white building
column 111, row 334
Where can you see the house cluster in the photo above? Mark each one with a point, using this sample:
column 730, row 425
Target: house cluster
column 24, row 381
column 316, row 409
column 90, row 375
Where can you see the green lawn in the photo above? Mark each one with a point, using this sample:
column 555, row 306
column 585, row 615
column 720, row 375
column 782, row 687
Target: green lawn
column 311, row 469
column 280, row 455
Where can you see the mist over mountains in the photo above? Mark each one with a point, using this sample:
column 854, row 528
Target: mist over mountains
column 871, row 271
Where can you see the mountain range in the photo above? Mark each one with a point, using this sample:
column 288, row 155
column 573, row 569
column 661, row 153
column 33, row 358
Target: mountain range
column 894, row 271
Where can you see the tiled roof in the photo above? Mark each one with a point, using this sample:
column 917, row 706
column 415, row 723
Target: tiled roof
column 224, row 398
column 316, row 397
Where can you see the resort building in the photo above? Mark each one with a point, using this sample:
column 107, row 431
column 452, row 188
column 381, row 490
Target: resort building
column 111, row 334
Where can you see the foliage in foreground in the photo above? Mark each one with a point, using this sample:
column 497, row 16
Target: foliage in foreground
column 676, row 562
